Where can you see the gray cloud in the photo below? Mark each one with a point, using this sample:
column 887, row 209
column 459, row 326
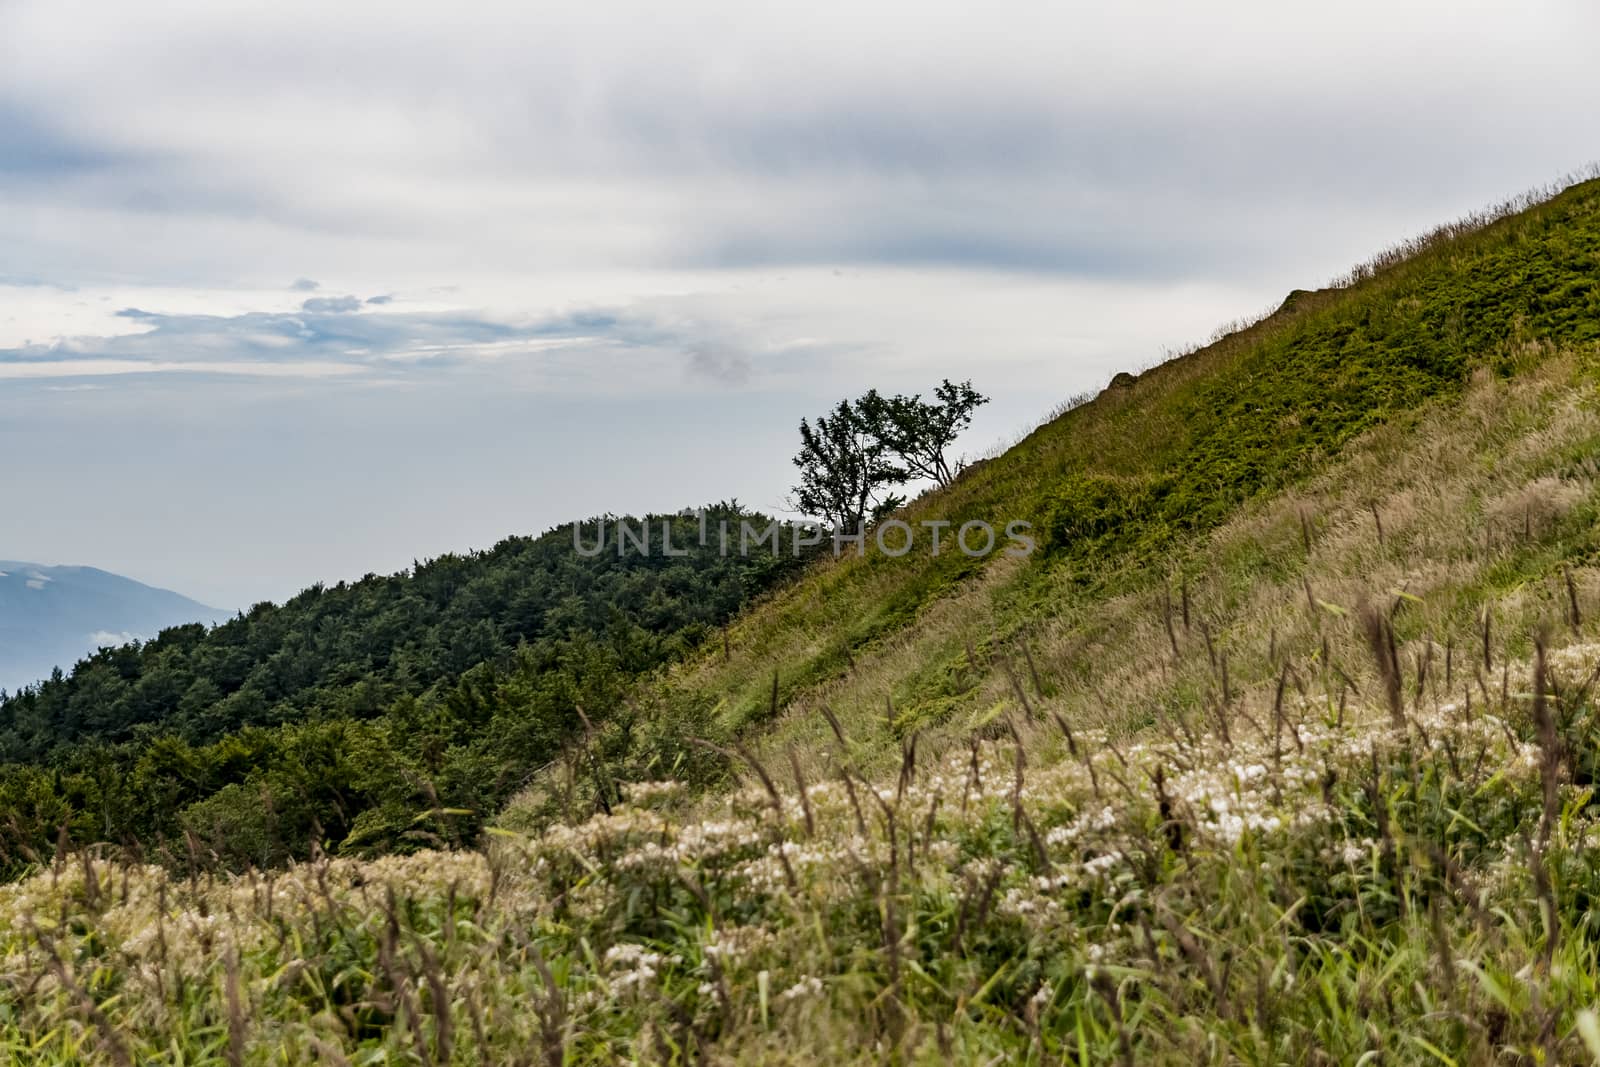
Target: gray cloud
column 35, row 151
column 335, row 336
column 1249, row 139
column 331, row 304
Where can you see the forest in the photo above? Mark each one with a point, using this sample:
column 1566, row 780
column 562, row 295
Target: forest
column 382, row 715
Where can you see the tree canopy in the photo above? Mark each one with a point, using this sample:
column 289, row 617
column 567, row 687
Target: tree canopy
column 919, row 433
column 851, row 456
column 350, row 710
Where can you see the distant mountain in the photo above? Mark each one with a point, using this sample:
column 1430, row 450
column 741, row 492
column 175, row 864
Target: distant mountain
column 53, row 616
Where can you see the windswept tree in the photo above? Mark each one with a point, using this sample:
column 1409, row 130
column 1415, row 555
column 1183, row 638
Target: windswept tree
column 863, row 447
column 919, row 433
column 844, row 465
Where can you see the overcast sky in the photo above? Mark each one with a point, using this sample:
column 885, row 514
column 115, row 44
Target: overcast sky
column 297, row 291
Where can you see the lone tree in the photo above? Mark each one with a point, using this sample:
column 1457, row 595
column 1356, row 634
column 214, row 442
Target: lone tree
column 919, row 433
column 862, row 447
column 843, row 465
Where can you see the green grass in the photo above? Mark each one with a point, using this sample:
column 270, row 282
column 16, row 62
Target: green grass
column 1245, row 852
column 1319, row 888
column 1124, row 484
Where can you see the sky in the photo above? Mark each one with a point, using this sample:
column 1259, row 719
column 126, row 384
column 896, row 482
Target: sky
column 294, row 292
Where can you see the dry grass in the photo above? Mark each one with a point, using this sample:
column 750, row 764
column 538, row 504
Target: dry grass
column 1236, row 435
column 1274, row 832
column 1462, row 492
column 1316, row 884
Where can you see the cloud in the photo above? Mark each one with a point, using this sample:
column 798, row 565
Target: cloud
column 36, row 150
column 504, row 422
column 715, row 359
column 304, row 285
column 1248, row 140
column 106, row 368
column 332, row 304
column 30, row 281
column 344, row 337
column 804, row 329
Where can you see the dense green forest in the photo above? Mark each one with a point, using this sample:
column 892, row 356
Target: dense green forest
column 388, row 713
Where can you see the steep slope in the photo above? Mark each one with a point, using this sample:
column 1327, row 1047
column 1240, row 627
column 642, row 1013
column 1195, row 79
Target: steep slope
column 1124, row 490
column 52, row 616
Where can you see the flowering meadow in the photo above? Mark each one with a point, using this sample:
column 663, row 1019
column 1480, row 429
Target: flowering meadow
column 1405, row 873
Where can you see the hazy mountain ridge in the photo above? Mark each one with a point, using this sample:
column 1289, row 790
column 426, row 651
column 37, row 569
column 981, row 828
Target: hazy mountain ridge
column 52, row 616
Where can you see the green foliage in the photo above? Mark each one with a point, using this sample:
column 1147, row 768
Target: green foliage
column 1099, row 513
column 919, row 433
column 864, row 446
column 1330, row 892
column 844, row 466
column 1127, row 481
column 334, row 720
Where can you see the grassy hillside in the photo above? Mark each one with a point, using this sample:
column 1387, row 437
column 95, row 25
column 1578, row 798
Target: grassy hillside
column 1126, row 489
column 1282, row 749
column 1390, row 855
